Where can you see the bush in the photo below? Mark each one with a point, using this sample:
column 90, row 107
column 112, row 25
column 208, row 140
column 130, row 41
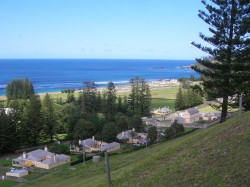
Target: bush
column 80, row 159
column 59, row 149
column 76, row 162
column 174, row 130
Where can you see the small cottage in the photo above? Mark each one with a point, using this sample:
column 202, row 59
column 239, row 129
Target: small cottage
column 41, row 159
column 110, row 147
column 17, row 173
column 190, row 115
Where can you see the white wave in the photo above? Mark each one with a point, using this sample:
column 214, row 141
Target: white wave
column 3, row 86
column 115, row 82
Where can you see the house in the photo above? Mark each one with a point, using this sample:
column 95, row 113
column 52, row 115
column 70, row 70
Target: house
column 41, row 159
column 124, row 135
column 208, row 116
column 110, row 147
column 89, row 145
column 190, row 115
column 130, row 136
column 164, row 110
column 179, row 120
column 150, row 121
column 17, row 173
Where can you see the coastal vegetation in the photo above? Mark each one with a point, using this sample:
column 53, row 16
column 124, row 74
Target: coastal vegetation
column 19, row 89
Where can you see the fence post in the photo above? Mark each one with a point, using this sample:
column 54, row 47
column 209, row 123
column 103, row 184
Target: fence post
column 240, row 110
column 107, row 168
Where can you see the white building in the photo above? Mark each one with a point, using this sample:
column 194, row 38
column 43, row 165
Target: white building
column 190, row 115
column 41, row 159
column 130, row 136
column 164, row 110
column 110, row 147
column 89, row 145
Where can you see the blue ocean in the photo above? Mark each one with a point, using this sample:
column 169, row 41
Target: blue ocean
column 50, row 75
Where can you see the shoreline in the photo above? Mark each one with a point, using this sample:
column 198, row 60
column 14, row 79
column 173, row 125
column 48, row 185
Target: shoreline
column 158, row 84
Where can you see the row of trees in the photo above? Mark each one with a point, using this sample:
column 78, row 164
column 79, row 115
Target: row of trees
column 105, row 114
column 19, row 89
column 186, row 98
column 33, row 120
column 26, row 122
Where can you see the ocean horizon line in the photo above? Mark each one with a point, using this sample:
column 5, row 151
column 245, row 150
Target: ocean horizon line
column 97, row 59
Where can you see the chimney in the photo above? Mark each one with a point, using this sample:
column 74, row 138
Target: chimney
column 45, row 148
column 133, row 129
column 24, row 155
column 93, row 137
column 55, row 158
column 123, row 133
column 80, row 142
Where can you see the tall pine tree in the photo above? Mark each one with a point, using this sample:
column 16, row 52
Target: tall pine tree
column 90, row 98
column 110, row 103
column 49, row 117
column 32, row 121
column 227, row 69
column 140, row 97
column 179, row 101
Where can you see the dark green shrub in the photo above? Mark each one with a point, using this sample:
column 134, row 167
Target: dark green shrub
column 175, row 129
column 59, row 149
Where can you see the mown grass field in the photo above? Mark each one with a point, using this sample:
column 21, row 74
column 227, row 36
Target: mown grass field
column 218, row 156
column 164, row 97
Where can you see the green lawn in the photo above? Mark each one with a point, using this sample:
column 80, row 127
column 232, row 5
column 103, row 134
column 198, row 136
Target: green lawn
column 164, row 97
column 159, row 102
column 208, row 109
column 8, row 183
column 218, row 156
column 165, row 93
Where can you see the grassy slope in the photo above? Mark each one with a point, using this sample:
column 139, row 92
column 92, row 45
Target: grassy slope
column 218, row 156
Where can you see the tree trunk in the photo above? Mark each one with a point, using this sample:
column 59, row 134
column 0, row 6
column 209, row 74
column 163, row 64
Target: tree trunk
column 224, row 108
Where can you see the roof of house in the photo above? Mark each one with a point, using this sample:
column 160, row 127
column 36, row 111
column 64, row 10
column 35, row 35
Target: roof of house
column 108, row 146
column 59, row 158
column 150, row 119
column 192, row 111
column 179, row 119
column 142, row 141
column 49, row 161
column 124, row 135
column 142, row 134
column 89, row 142
column 38, row 155
column 42, row 156
column 165, row 109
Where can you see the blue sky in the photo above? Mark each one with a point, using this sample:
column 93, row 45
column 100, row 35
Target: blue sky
column 121, row 29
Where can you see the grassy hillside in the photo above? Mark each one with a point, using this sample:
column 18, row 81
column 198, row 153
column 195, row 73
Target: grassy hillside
column 218, row 156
